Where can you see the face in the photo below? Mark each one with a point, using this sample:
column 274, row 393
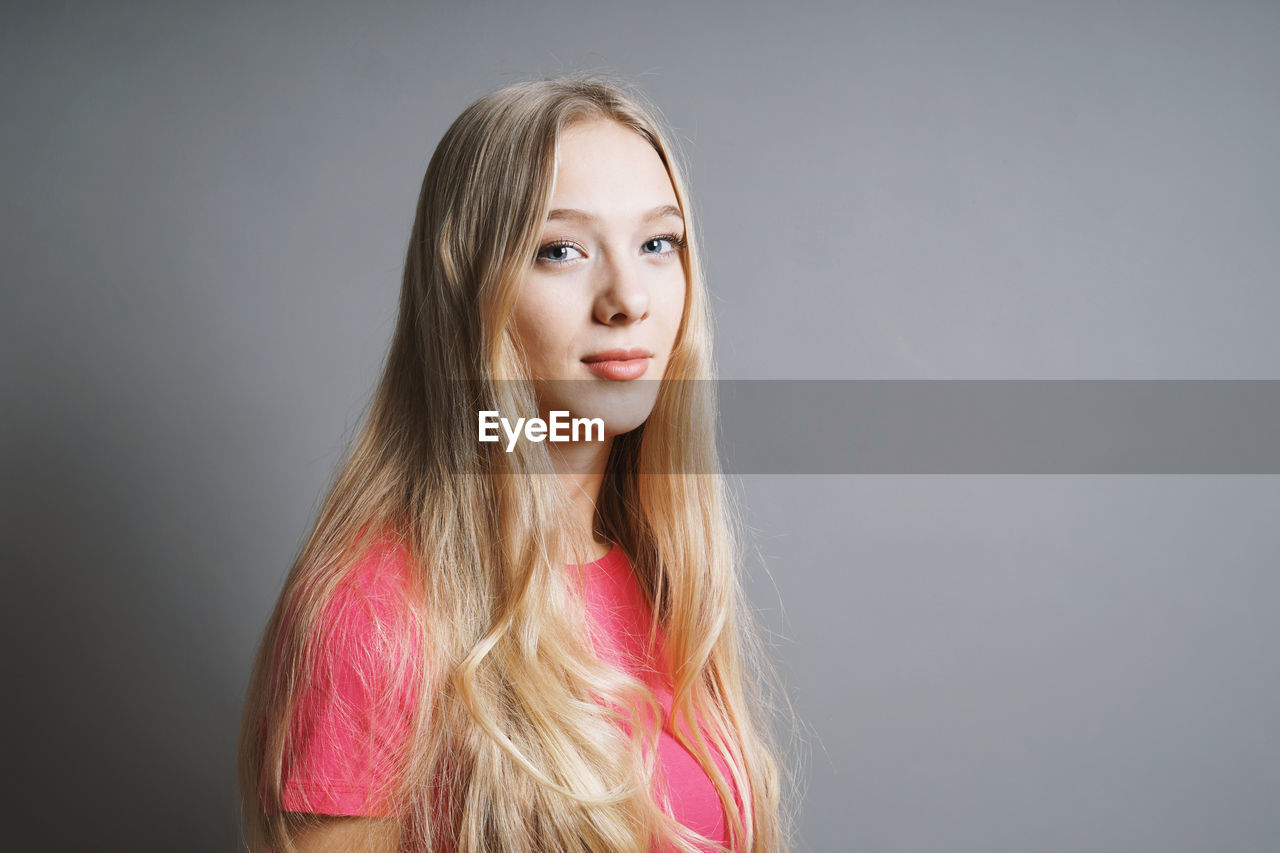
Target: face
column 608, row 275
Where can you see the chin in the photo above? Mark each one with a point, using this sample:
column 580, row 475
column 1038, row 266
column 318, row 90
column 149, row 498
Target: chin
column 618, row 417
column 620, row 427
column 621, row 406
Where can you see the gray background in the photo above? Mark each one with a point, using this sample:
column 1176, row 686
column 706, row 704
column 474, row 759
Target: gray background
column 205, row 211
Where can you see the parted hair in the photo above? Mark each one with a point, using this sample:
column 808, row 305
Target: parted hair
column 521, row 739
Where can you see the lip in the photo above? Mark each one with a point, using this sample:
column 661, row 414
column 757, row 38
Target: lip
column 618, row 355
column 619, row 364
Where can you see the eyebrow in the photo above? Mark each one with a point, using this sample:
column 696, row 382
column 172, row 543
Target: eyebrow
column 571, row 213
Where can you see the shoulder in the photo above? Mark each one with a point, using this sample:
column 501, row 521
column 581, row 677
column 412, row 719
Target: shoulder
column 379, row 581
column 370, row 612
column 354, row 712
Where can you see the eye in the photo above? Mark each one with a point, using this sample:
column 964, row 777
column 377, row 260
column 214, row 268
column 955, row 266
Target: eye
column 654, row 246
column 558, row 253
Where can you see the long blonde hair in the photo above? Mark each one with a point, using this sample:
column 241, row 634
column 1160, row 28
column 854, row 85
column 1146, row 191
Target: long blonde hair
column 515, row 744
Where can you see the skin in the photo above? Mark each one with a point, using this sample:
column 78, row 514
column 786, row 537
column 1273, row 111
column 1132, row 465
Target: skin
column 606, row 278
column 337, row 834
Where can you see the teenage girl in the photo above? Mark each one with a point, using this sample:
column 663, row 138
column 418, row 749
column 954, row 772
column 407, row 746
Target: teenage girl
column 532, row 645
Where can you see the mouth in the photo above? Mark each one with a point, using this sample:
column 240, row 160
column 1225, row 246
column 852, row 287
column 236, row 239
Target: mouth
column 619, row 365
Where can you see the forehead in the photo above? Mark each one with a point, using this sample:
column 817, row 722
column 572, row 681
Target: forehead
column 607, row 167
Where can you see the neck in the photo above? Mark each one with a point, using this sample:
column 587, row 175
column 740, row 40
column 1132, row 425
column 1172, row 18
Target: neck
column 580, row 466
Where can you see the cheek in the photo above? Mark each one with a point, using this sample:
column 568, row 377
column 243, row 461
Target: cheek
column 673, row 304
column 537, row 330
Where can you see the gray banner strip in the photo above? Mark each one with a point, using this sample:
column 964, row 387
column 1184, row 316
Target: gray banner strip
column 999, row 426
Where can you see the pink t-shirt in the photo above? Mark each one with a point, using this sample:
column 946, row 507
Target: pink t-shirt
column 342, row 756
column 620, row 616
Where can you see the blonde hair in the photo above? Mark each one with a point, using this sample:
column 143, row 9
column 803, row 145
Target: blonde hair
column 515, row 743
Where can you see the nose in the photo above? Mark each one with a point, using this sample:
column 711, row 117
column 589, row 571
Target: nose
column 622, row 295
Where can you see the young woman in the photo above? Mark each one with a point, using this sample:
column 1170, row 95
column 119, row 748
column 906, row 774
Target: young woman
column 522, row 644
